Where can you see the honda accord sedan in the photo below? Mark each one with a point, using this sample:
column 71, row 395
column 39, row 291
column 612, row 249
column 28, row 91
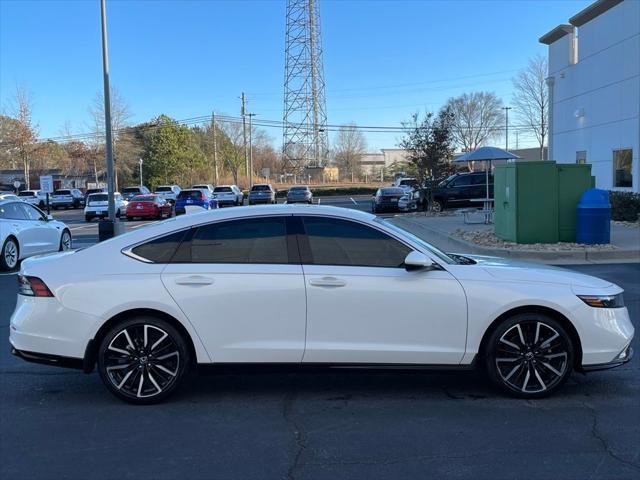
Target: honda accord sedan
column 308, row 286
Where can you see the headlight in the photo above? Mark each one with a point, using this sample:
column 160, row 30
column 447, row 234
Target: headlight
column 603, row 301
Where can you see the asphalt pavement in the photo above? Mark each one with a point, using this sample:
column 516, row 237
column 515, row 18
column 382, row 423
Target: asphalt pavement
column 336, row 424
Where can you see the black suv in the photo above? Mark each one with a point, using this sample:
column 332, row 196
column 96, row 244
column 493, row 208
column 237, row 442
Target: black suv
column 457, row 190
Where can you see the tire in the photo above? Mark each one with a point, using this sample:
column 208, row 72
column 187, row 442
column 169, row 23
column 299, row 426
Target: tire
column 142, row 374
column 529, row 355
column 87, row 219
column 9, row 254
column 65, row 241
column 437, row 206
column 129, row 219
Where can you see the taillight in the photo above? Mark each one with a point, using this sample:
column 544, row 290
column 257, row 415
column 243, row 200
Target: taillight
column 33, row 287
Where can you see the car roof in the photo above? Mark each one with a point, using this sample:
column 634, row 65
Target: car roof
column 299, row 186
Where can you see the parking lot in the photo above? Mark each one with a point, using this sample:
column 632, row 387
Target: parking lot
column 60, row 423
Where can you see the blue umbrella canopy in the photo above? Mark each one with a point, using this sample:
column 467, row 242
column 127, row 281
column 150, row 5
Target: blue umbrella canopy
column 485, row 154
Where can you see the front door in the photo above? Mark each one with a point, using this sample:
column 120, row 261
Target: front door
column 240, row 284
column 39, row 235
column 363, row 306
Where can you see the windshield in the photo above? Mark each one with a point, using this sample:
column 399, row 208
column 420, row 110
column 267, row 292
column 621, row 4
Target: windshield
column 391, row 191
column 427, row 246
column 222, row 189
column 98, row 197
column 447, row 180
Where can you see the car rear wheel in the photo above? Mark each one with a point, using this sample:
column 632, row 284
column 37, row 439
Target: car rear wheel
column 65, row 241
column 9, row 254
column 529, row 355
column 143, row 360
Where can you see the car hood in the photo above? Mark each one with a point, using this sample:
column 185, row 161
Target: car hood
column 519, row 271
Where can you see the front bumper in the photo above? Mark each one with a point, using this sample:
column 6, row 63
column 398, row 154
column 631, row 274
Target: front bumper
column 628, row 355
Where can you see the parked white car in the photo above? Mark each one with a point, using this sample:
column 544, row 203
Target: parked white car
column 34, row 197
column 98, row 206
column 228, row 195
column 168, row 193
column 308, row 286
column 26, row 231
column 204, row 186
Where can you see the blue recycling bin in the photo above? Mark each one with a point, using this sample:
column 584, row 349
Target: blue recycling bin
column 594, row 217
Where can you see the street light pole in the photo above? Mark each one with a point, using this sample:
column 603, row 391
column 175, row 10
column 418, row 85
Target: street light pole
column 107, row 120
column 506, row 127
column 140, row 161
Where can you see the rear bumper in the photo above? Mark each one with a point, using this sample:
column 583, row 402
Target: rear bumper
column 255, row 201
column 53, row 360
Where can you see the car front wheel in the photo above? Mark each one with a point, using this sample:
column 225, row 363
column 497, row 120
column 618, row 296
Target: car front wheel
column 9, row 254
column 65, row 241
column 143, row 360
column 437, row 206
column 529, row 355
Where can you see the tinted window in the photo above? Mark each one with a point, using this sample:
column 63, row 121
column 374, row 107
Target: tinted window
column 298, row 189
column 160, row 250
column 98, row 197
column 195, row 194
column 255, row 240
column 222, row 189
column 31, row 213
column 26, row 194
column 164, row 189
column 261, row 188
column 12, row 211
column 62, row 192
column 130, row 190
column 391, row 191
column 342, row 242
column 462, row 181
column 143, row 198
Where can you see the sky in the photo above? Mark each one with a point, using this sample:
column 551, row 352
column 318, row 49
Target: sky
column 383, row 59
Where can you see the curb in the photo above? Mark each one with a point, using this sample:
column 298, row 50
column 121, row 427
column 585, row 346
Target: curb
column 584, row 256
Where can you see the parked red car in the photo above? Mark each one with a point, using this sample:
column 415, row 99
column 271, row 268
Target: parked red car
column 149, row 206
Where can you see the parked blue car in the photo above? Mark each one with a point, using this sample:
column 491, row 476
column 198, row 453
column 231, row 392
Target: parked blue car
column 194, row 198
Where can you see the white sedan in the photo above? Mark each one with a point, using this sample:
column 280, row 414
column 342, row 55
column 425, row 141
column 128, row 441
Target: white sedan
column 308, row 286
column 26, row 231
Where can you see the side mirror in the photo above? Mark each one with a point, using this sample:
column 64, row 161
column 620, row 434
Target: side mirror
column 416, row 261
column 49, row 218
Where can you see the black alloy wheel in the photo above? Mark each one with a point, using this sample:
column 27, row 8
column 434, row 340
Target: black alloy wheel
column 143, row 360
column 529, row 355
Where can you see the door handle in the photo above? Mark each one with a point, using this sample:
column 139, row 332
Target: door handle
column 194, row 280
column 327, row 282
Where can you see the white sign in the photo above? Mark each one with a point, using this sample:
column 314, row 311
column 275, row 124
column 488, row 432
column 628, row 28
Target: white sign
column 16, row 184
column 46, row 184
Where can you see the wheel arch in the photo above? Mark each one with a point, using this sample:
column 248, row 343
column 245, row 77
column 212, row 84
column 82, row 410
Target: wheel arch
column 556, row 315
column 91, row 353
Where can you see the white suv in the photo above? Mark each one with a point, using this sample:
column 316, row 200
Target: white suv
column 228, row 195
column 168, row 193
column 98, row 206
column 34, row 197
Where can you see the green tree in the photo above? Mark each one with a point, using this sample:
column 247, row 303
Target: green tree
column 429, row 146
column 172, row 154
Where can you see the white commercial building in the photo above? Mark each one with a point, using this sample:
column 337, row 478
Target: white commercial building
column 594, row 92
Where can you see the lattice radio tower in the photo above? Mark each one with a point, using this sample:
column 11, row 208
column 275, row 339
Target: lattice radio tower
column 305, row 141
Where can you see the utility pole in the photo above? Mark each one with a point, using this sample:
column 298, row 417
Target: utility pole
column 110, row 229
column 506, row 127
column 140, row 162
column 517, row 139
column 244, row 138
column 251, row 115
column 215, row 148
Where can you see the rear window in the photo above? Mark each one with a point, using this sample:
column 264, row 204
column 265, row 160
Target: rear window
column 130, row 190
column 391, row 191
column 261, row 188
column 203, row 187
column 98, row 197
column 164, row 189
column 160, row 250
column 143, row 198
column 298, row 189
column 26, row 194
column 222, row 189
column 62, row 192
column 195, row 194
column 408, row 181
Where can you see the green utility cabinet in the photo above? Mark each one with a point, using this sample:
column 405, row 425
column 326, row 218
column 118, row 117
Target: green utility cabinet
column 535, row 202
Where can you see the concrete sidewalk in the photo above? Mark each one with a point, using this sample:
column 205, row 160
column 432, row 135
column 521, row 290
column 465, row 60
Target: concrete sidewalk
column 444, row 232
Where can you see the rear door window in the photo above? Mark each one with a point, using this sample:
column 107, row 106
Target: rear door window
column 252, row 240
column 160, row 250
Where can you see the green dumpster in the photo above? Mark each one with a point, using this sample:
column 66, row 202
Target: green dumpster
column 535, row 202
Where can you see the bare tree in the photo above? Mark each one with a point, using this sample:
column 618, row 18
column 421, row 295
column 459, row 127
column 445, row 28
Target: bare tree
column 349, row 148
column 477, row 117
column 24, row 136
column 231, row 146
column 531, row 99
column 120, row 116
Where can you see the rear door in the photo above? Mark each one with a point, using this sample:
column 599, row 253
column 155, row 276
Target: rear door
column 240, row 283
